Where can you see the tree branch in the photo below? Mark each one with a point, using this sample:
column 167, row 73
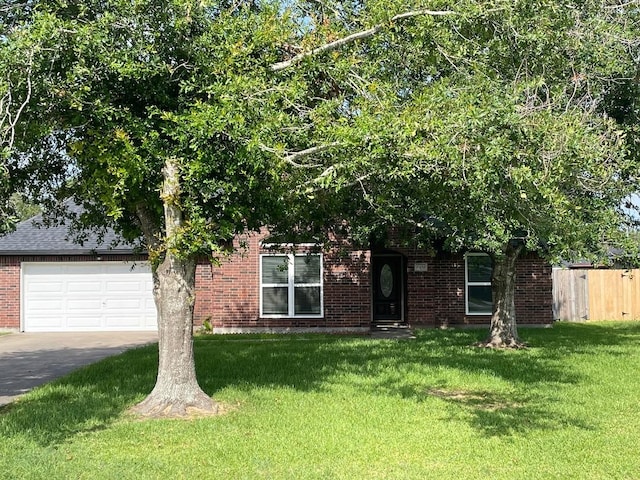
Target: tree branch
column 328, row 171
column 633, row 3
column 328, row 47
column 148, row 225
column 8, row 121
column 293, row 158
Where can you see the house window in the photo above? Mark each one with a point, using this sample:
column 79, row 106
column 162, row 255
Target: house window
column 291, row 285
column 478, row 268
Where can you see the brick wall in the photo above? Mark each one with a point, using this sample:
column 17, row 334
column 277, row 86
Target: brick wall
column 436, row 297
column 9, row 293
column 534, row 291
column 347, row 287
column 229, row 294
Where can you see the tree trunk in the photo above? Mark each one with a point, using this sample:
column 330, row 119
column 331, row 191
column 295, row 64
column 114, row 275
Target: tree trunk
column 176, row 392
column 503, row 332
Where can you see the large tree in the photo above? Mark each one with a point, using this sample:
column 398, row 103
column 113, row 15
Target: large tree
column 492, row 128
column 495, row 138
column 152, row 116
column 182, row 122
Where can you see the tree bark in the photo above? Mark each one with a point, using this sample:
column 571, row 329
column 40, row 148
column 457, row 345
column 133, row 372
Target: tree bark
column 177, row 392
column 503, row 332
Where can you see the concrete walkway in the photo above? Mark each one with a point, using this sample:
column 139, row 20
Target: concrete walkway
column 31, row 359
column 392, row 332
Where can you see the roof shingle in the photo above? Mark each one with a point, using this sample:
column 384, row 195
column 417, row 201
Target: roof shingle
column 32, row 238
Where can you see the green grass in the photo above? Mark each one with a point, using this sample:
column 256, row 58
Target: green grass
column 339, row 407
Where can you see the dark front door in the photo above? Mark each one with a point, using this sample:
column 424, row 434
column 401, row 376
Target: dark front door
column 388, row 289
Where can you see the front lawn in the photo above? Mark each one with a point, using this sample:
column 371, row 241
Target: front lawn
column 325, row 407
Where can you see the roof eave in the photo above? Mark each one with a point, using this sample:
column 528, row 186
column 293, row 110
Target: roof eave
column 84, row 252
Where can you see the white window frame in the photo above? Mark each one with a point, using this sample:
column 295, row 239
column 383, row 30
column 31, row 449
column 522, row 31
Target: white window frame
column 468, row 284
column 291, row 284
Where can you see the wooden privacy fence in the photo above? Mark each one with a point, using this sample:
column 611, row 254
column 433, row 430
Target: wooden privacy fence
column 580, row 295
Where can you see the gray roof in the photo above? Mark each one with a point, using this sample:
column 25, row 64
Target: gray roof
column 32, row 238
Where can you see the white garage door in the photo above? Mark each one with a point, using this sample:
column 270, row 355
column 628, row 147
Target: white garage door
column 95, row 296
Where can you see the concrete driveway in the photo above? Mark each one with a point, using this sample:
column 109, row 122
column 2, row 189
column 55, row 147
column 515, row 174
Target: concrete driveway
column 31, row 359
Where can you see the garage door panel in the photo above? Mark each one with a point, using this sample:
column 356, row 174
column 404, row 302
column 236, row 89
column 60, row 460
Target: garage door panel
column 44, row 268
column 78, row 269
column 82, row 305
column 126, row 287
column 119, row 322
column 46, row 305
column 45, row 287
column 47, row 323
column 125, row 304
column 151, row 323
column 84, row 287
column 88, row 296
column 86, row 322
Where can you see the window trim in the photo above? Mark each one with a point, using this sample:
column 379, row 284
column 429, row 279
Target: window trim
column 291, row 285
column 468, row 284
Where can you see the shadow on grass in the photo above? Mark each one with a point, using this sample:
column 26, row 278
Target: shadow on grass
column 496, row 414
column 427, row 369
column 411, row 370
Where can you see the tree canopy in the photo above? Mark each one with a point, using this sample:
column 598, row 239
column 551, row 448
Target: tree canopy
column 154, row 116
column 493, row 129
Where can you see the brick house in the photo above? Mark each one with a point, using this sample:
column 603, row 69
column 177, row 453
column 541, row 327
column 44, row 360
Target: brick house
column 342, row 288
column 48, row 283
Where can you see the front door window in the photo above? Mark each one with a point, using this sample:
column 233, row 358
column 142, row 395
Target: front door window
column 386, row 281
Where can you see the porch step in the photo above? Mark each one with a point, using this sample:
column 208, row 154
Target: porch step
column 391, row 331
